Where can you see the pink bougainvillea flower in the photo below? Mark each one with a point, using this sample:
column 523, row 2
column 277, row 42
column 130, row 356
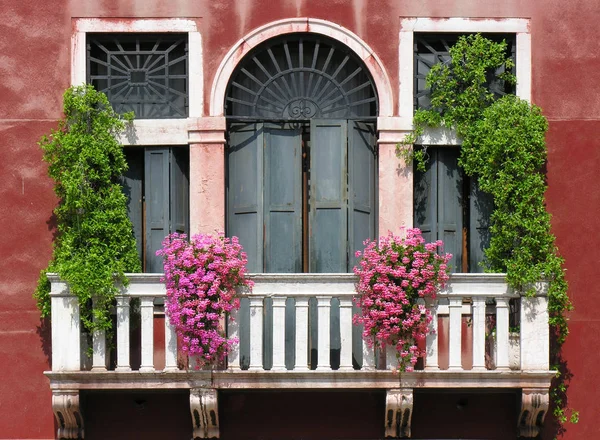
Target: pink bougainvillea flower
column 396, row 278
column 201, row 276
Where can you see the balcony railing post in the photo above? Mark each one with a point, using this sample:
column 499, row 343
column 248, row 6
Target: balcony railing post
column 170, row 346
column 99, row 349
column 278, row 333
column 346, row 333
column 256, row 333
column 123, row 333
column 455, row 308
column 324, row 332
column 535, row 333
column 478, row 333
column 431, row 341
column 66, row 339
column 147, row 319
column 301, row 362
column 233, row 332
column 368, row 357
column 502, row 334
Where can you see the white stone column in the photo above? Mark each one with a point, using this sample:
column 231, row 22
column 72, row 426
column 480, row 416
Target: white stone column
column 233, row 332
column 279, row 333
column 66, row 339
column 502, row 334
column 346, row 333
column 99, row 349
column 431, row 340
column 455, row 355
column 256, row 333
column 170, row 346
column 301, row 362
column 147, row 320
column 535, row 333
column 478, row 333
column 123, row 333
column 324, row 339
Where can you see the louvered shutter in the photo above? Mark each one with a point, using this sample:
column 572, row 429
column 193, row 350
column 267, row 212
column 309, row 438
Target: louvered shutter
column 132, row 188
column 328, row 196
column 282, row 199
column 481, row 208
column 425, row 197
column 157, row 204
column 179, row 190
column 450, row 206
column 361, row 187
column 245, row 190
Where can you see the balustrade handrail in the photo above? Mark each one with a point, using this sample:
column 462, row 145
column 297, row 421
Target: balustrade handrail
column 475, row 288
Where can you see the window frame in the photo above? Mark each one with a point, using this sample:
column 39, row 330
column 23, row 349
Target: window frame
column 148, row 132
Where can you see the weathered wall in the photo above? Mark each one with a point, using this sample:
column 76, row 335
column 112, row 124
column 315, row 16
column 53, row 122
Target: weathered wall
column 34, row 67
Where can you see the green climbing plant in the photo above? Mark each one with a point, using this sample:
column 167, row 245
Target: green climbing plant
column 94, row 244
column 504, row 148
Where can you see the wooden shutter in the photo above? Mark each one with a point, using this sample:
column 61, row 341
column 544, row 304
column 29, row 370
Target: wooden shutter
column 282, row 199
column 361, row 187
column 481, row 207
column 132, row 182
column 450, row 205
column 245, row 190
column 425, row 197
column 438, row 205
column 179, row 190
column 157, row 204
column 328, row 196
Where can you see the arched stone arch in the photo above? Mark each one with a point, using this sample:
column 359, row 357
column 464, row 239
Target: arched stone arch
column 298, row 25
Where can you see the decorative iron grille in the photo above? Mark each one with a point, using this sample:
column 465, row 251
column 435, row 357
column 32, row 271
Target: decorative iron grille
column 301, row 77
column 431, row 49
column 143, row 73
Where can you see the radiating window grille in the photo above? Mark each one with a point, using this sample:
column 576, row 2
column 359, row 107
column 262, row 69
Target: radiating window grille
column 301, row 77
column 143, row 73
column 431, row 49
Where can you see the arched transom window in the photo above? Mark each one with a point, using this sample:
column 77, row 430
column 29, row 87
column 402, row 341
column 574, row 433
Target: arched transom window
column 301, row 155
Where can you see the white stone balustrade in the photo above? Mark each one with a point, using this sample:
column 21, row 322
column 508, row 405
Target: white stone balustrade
column 311, row 300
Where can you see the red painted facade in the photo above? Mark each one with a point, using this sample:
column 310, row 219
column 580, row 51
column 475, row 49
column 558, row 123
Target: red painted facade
column 35, row 70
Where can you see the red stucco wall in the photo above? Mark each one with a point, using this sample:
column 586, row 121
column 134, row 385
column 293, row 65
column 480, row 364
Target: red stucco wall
column 34, row 71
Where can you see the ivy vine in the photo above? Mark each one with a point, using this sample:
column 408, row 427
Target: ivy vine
column 504, row 148
column 94, row 244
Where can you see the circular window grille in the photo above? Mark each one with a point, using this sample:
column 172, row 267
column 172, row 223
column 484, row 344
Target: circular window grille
column 301, row 77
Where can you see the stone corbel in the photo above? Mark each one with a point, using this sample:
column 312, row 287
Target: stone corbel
column 65, row 405
column 205, row 413
column 398, row 412
column 534, row 406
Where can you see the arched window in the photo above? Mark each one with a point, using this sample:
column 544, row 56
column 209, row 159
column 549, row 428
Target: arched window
column 301, row 156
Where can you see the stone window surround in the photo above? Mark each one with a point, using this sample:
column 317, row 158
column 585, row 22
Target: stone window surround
column 206, row 133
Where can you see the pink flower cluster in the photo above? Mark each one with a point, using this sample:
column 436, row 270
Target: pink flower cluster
column 201, row 276
column 395, row 278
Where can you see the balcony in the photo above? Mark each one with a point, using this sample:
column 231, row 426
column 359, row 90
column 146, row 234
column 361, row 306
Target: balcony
column 296, row 332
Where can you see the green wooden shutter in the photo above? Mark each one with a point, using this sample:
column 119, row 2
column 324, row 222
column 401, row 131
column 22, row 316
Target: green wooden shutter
column 328, row 196
column 282, row 199
column 179, row 190
column 425, row 198
column 362, row 179
column 245, row 190
column 132, row 182
column 481, row 207
column 157, row 204
column 450, row 205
